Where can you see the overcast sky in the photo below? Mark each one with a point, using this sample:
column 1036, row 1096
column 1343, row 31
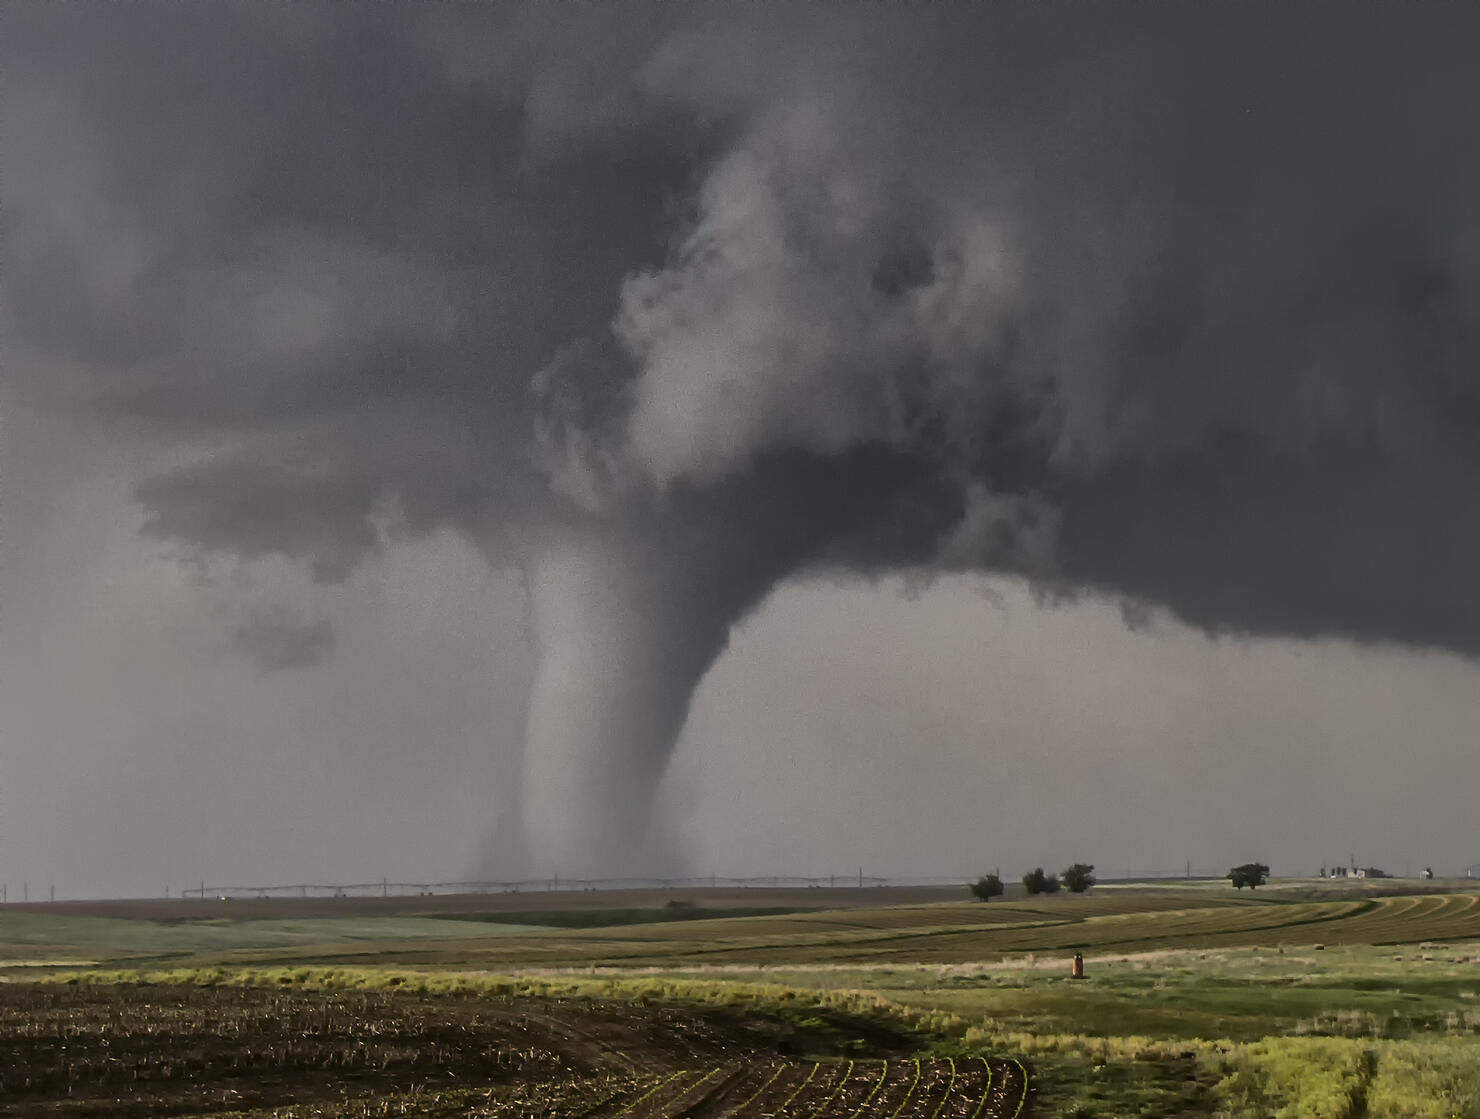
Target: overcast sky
column 502, row 440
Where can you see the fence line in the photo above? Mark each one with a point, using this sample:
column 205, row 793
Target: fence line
column 538, row 885
column 555, row 883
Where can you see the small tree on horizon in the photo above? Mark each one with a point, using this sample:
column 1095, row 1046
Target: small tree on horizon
column 1079, row 877
column 987, row 887
column 1036, row 882
column 1252, row 875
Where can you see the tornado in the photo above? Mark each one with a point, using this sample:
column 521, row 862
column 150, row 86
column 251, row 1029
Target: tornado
column 628, row 612
column 619, row 658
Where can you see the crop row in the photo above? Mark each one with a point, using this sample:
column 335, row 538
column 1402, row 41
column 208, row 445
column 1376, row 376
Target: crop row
column 908, row 1089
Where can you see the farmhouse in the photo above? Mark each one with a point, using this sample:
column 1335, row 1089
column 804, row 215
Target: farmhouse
column 1355, row 871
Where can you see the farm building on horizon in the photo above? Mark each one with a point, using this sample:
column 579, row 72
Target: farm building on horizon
column 1355, row 871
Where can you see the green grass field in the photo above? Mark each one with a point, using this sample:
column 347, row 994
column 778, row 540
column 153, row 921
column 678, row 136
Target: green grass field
column 1197, row 1001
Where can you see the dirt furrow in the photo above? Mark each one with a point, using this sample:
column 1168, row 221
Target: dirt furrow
column 870, row 1083
column 807, row 1100
column 839, row 1082
column 707, row 1097
column 676, row 1098
column 774, row 1092
column 736, row 1093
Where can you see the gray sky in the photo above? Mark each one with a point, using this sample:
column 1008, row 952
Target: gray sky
column 1036, row 436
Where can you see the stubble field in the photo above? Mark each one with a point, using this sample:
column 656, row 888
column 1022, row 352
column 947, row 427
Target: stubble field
column 189, row 1049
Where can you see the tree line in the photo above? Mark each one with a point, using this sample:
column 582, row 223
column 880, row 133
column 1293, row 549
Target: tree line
column 1081, row 876
column 1076, row 879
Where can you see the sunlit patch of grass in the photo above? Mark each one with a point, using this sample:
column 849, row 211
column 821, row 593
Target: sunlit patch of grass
column 1294, row 1078
column 1433, row 1079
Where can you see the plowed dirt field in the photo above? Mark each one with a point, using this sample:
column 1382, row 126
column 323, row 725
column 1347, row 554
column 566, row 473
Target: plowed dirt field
column 195, row 1051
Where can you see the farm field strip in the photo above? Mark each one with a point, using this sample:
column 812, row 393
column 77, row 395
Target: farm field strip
column 847, row 929
column 778, row 1093
column 1399, row 907
column 946, row 1098
column 986, row 1091
column 942, row 933
column 824, row 1089
column 1454, row 915
column 1023, row 1076
column 612, row 1097
column 927, row 1088
column 1347, row 921
column 968, row 1097
column 800, row 1088
column 766, row 1084
column 914, row 1083
column 1199, row 922
column 686, row 1095
column 187, row 1047
column 631, row 1107
column 863, row 1107
column 842, row 1080
column 940, row 915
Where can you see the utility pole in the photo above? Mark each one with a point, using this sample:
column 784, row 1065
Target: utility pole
column 53, row 892
column 860, row 878
column 25, row 891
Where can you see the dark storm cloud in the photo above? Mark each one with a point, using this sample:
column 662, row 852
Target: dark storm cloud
column 1345, row 543
column 671, row 302
column 276, row 641
column 254, row 509
column 255, row 222
column 1190, row 306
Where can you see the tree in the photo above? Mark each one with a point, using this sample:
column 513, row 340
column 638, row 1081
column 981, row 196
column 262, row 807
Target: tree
column 1252, row 875
column 1079, row 877
column 1036, row 882
column 987, row 887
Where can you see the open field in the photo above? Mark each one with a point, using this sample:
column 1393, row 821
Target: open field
column 1197, row 1002
column 1108, row 922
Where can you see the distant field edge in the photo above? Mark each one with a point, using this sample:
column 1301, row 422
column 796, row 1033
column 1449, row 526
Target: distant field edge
column 608, row 918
